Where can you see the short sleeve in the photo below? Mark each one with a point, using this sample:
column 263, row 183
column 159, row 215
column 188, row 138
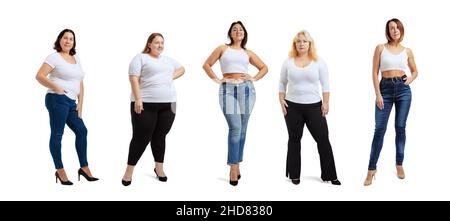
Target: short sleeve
column 77, row 59
column 135, row 66
column 323, row 76
column 174, row 63
column 283, row 77
column 51, row 60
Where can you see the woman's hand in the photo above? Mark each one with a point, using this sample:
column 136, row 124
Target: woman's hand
column 219, row 81
column 80, row 110
column 283, row 106
column 324, row 108
column 138, row 106
column 380, row 103
column 60, row 91
column 248, row 77
column 408, row 80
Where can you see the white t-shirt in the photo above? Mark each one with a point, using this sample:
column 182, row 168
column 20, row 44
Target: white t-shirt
column 65, row 75
column 155, row 78
column 303, row 83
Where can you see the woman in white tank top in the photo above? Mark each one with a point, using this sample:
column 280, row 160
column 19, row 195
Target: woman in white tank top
column 237, row 93
column 392, row 60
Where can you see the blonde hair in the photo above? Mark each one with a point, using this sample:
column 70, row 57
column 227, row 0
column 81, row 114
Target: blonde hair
column 312, row 52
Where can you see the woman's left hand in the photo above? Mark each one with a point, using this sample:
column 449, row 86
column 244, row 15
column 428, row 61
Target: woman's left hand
column 324, row 109
column 80, row 110
column 407, row 80
column 248, row 77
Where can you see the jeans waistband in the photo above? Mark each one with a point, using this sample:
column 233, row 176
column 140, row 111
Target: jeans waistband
column 236, row 83
column 394, row 79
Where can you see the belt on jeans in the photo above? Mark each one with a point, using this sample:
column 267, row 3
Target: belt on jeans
column 394, row 78
column 232, row 83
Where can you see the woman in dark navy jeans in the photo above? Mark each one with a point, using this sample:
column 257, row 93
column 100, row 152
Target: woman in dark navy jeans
column 65, row 86
column 391, row 59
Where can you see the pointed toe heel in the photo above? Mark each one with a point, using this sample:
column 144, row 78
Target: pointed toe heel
column 87, row 177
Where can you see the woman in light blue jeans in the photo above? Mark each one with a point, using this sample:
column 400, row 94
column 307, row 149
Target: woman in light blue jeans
column 237, row 93
column 237, row 101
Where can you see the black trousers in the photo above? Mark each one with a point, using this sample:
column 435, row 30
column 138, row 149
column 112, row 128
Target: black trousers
column 151, row 125
column 310, row 114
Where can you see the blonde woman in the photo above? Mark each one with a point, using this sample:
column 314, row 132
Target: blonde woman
column 301, row 103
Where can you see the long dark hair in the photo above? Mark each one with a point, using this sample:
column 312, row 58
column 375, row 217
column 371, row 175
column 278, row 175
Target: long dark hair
column 57, row 45
column 400, row 27
column 147, row 49
column 244, row 41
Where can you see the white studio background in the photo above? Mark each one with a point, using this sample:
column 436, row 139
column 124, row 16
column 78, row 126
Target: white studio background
column 109, row 33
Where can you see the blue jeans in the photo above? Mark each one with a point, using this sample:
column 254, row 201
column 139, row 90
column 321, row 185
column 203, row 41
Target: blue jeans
column 237, row 101
column 62, row 111
column 394, row 92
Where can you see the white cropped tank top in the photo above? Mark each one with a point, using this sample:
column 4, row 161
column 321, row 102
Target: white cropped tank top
column 389, row 61
column 234, row 61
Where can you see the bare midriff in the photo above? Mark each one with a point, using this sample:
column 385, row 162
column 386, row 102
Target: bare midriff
column 392, row 74
column 234, row 75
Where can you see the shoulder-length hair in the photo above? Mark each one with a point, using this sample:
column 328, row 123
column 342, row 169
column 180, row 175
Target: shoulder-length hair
column 147, row 49
column 312, row 52
column 244, row 41
column 399, row 26
column 57, row 44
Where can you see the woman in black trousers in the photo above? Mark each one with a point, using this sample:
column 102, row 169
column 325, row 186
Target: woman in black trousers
column 301, row 75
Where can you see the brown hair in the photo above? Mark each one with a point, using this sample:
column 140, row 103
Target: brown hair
column 400, row 27
column 57, row 44
column 244, row 41
column 149, row 40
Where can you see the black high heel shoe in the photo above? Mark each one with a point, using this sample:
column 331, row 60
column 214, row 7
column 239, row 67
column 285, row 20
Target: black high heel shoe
column 160, row 178
column 88, row 178
column 126, row 183
column 234, row 182
column 335, row 182
column 62, row 182
column 295, row 181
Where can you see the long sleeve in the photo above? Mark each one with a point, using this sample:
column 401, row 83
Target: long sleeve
column 283, row 78
column 324, row 76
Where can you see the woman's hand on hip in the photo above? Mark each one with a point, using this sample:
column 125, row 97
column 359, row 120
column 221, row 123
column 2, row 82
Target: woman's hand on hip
column 219, row 81
column 248, row 77
column 60, row 91
column 408, row 80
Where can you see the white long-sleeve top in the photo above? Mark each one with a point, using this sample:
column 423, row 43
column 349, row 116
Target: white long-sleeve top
column 302, row 84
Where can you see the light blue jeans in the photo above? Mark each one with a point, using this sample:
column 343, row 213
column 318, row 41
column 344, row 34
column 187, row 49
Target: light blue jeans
column 237, row 101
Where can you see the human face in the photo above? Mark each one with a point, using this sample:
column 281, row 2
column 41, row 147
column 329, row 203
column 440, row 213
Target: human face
column 237, row 33
column 394, row 31
column 302, row 45
column 156, row 46
column 66, row 42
